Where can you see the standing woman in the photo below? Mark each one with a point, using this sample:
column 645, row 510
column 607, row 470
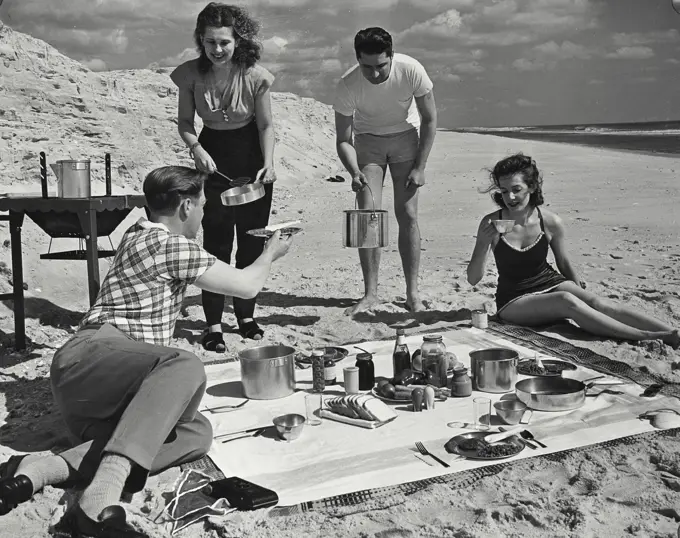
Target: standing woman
column 230, row 92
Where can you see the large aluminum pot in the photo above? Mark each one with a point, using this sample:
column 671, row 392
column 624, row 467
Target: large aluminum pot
column 365, row 228
column 243, row 195
column 494, row 369
column 268, row 372
column 73, row 178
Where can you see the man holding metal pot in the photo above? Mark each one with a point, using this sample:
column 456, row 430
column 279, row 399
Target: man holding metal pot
column 129, row 399
column 385, row 115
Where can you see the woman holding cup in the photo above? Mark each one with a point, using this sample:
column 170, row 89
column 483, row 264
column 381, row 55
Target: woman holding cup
column 530, row 291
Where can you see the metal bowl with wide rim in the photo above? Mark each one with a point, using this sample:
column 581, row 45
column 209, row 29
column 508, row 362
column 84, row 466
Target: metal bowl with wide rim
column 243, row 194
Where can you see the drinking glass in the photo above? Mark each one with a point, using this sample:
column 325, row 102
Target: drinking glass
column 482, row 413
column 313, row 404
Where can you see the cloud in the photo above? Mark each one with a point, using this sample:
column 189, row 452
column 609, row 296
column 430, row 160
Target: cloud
column 595, row 82
column 274, row 45
column 647, row 38
column 444, row 25
column 631, row 53
column 673, row 61
column 446, row 77
column 469, row 67
column 526, row 103
column 86, row 41
column 173, row 61
column 95, row 64
column 547, row 55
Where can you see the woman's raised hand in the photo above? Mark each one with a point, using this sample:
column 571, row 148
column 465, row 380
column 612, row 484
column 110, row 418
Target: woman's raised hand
column 204, row 161
column 488, row 232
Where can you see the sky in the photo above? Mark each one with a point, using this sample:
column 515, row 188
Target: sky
column 493, row 62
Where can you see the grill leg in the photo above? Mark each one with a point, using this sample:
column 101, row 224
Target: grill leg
column 16, row 219
column 88, row 222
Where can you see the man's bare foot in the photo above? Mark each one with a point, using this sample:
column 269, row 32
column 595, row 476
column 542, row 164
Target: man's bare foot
column 366, row 303
column 414, row 304
column 673, row 339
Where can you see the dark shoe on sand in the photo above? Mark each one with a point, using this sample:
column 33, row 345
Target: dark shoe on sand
column 250, row 329
column 111, row 524
column 13, row 489
column 214, row 342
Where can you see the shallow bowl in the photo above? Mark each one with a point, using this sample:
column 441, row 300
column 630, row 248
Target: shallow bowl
column 510, row 411
column 289, row 427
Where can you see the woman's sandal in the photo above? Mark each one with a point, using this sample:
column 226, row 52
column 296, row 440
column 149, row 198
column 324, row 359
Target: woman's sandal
column 214, row 341
column 250, row 329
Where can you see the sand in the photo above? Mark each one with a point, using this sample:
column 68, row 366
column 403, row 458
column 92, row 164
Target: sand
column 621, row 217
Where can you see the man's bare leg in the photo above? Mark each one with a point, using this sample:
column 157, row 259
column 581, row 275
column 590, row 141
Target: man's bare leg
column 406, row 211
column 369, row 257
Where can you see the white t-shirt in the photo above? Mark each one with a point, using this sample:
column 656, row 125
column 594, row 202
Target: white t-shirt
column 388, row 107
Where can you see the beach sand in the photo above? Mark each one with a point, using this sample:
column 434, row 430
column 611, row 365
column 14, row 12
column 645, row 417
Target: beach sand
column 622, row 222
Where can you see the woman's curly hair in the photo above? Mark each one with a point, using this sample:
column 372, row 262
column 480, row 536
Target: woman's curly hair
column 217, row 15
column 516, row 164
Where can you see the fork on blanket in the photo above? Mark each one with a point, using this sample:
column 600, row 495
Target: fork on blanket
column 226, row 407
column 421, row 448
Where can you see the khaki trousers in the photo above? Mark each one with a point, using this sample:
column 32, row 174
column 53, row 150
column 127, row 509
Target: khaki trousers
column 118, row 395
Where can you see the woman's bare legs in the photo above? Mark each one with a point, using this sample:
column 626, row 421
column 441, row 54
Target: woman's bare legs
column 618, row 311
column 560, row 304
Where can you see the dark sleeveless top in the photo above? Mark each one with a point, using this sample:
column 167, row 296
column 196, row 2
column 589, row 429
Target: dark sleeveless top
column 525, row 271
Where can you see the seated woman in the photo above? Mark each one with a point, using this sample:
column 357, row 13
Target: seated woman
column 530, row 292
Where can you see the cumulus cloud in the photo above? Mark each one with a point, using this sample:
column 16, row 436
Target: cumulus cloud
column 646, row 38
column 548, row 55
column 526, row 103
column 95, row 64
column 173, row 61
column 631, row 53
column 446, row 77
column 469, row 67
column 444, row 25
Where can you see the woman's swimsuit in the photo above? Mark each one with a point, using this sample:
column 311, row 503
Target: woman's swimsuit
column 523, row 271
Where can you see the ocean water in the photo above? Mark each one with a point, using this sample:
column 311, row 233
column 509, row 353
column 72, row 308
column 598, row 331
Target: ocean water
column 657, row 138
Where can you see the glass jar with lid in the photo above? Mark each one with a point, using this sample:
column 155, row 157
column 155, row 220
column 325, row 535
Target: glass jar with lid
column 434, row 360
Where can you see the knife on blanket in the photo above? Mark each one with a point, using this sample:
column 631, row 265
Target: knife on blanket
column 250, row 430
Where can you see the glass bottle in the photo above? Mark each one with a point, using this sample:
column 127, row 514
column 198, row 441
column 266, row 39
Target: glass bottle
column 433, row 356
column 318, row 376
column 366, row 371
column 461, row 384
column 401, row 357
column 329, row 371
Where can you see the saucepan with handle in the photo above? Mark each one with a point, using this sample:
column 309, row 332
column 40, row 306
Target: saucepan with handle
column 242, row 193
column 555, row 393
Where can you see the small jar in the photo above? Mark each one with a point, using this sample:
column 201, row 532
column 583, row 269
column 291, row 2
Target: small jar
column 461, row 384
column 318, row 374
column 434, row 360
column 366, row 371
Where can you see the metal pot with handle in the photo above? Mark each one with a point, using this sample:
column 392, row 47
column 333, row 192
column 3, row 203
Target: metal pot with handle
column 268, row 372
column 73, row 178
column 365, row 228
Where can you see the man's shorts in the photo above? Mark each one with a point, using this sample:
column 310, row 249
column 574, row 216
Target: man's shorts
column 386, row 149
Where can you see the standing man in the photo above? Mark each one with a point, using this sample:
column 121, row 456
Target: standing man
column 385, row 115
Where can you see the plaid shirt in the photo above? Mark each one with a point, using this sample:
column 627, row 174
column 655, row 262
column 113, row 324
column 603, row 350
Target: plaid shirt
column 144, row 289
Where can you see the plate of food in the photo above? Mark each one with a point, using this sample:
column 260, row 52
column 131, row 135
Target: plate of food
column 402, row 393
column 267, row 233
column 551, row 367
column 339, row 354
column 468, row 446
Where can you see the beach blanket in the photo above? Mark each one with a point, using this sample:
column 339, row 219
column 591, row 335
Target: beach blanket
column 335, row 459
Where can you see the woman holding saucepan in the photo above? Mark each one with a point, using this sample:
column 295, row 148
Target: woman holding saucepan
column 230, row 92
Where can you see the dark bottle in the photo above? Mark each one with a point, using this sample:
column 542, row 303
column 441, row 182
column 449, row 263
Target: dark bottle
column 401, row 358
column 461, row 385
column 318, row 375
column 329, row 371
column 366, row 371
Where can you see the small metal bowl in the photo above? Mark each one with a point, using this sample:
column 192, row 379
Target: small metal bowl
column 243, row 195
column 510, row 411
column 289, row 427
